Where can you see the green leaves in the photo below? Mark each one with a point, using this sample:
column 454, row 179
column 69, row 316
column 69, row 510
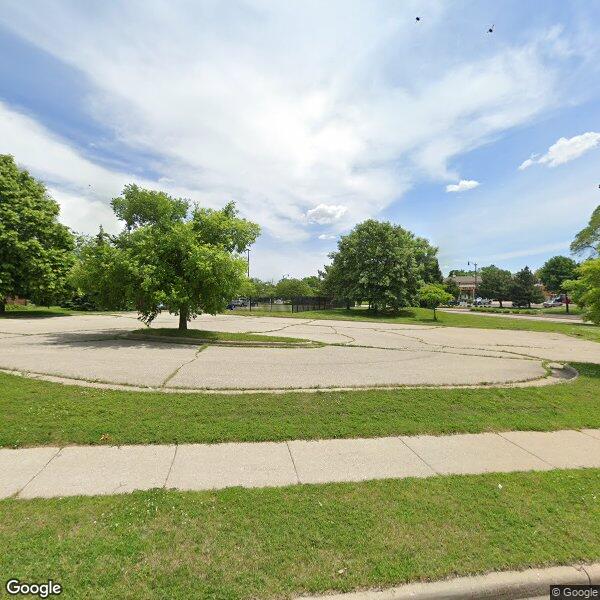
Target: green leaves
column 138, row 207
column 164, row 261
column 524, row 291
column 432, row 295
column 36, row 252
column 495, row 283
column 588, row 239
column 586, row 290
column 382, row 263
column 556, row 271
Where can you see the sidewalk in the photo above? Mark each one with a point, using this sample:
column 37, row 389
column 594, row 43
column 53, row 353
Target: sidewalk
column 508, row 585
column 92, row 470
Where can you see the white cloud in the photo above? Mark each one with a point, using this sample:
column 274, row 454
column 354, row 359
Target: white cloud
column 260, row 103
column 463, row 185
column 326, row 214
column 327, row 236
column 564, row 150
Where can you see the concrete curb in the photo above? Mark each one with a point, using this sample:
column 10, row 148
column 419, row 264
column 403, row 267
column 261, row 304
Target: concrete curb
column 507, row 585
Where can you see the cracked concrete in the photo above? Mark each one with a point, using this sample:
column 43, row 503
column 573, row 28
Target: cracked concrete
column 88, row 349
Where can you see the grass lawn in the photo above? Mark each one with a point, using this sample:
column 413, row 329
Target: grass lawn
column 42, row 413
column 555, row 310
column 267, row 543
column 423, row 316
column 30, row 311
column 217, row 336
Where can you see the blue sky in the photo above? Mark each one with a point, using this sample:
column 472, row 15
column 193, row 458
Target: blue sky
column 314, row 116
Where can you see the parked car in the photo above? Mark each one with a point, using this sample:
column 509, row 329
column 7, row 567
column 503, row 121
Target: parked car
column 552, row 302
column 482, row 302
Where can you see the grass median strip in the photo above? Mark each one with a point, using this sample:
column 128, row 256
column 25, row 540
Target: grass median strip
column 423, row 316
column 266, row 543
column 42, row 413
column 216, row 336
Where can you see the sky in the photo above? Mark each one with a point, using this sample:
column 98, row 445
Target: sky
column 314, row 116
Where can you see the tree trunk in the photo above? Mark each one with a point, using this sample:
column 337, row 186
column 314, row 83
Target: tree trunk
column 2, row 306
column 434, row 315
column 183, row 315
column 567, row 303
column 500, row 301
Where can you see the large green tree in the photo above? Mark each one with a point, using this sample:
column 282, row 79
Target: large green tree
column 378, row 262
column 588, row 239
column 495, row 283
column 187, row 260
column 586, row 289
column 555, row 272
column 36, row 251
column 524, row 290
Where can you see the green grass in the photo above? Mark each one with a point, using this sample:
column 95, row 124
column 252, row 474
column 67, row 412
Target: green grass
column 30, row 311
column 41, row 413
column 423, row 316
column 556, row 310
column 217, row 336
column 278, row 542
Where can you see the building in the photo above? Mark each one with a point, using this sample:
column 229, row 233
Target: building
column 467, row 285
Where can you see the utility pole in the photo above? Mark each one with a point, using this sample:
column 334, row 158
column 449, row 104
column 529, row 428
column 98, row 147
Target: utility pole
column 248, row 273
column 475, row 289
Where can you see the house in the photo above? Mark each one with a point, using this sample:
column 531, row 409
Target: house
column 467, row 285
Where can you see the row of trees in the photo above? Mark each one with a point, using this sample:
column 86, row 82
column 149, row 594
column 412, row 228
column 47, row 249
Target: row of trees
column 285, row 288
column 175, row 256
column 521, row 288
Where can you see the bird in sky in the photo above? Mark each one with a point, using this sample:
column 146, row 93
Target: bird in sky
column 491, row 29
column 418, row 19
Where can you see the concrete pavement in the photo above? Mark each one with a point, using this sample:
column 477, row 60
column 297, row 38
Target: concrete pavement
column 90, row 348
column 93, row 470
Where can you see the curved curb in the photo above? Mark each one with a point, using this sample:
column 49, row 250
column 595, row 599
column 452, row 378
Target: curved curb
column 507, row 585
column 552, row 379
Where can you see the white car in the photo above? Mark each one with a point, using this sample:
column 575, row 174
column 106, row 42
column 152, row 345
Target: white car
column 482, row 302
column 553, row 302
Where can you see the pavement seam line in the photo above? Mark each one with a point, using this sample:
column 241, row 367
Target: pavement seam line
column 419, row 456
column 176, row 371
column 171, row 466
column 587, row 434
column 293, row 462
column 18, row 492
column 499, row 434
column 352, row 340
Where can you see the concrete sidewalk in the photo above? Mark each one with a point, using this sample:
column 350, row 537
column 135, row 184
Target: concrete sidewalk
column 532, row 584
column 92, row 470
